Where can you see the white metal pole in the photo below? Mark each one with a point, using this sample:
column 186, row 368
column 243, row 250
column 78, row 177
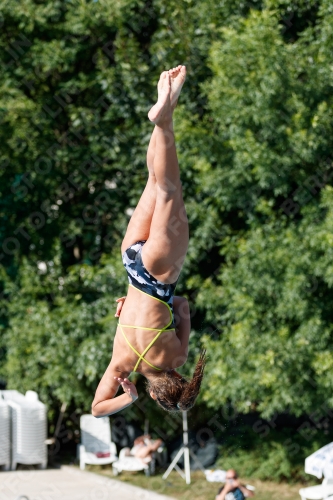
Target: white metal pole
column 174, row 462
column 186, row 450
column 185, row 428
column 146, row 429
column 183, row 450
column 187, row 465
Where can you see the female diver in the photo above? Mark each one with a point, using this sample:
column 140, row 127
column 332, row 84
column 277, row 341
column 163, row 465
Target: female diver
column 154, row 325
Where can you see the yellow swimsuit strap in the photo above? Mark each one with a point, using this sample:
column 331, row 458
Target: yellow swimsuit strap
column 159, row 331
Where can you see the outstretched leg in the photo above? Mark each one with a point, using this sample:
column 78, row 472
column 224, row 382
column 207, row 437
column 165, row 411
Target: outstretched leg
column 139, row 225
column 166, row 247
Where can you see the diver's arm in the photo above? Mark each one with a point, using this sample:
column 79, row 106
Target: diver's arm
column 183, row 321
column 105, row 402
column 111, row 406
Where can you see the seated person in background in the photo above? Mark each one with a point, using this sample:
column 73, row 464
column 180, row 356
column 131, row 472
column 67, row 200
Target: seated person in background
column 233, row 490
column 144, row 447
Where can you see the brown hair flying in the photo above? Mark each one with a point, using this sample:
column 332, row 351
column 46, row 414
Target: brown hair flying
column 175, row 394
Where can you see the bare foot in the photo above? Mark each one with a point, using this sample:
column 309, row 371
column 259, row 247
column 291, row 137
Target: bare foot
column 177, row 79
column 163, row 105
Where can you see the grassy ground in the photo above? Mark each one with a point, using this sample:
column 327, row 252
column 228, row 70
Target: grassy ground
column 199, row 489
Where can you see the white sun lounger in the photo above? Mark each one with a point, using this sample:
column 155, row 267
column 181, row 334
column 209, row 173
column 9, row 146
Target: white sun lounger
column 128, row 462
column 320, row 492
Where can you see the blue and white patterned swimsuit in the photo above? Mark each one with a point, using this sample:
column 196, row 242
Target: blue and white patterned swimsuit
column 237, row 494
column 140, row 278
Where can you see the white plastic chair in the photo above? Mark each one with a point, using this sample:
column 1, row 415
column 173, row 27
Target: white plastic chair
column 4, row 435
column 32, row 396
column 320, row 492
column 95, row 438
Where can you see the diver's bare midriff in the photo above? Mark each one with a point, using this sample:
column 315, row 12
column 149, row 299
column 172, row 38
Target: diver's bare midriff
column 142, row 310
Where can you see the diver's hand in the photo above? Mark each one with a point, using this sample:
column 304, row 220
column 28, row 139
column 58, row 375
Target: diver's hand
column 128, row 387
column 229, row 486
column 120, row 303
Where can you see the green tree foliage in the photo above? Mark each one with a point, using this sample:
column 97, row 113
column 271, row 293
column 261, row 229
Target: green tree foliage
column 254, row 129
column 272, row 103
